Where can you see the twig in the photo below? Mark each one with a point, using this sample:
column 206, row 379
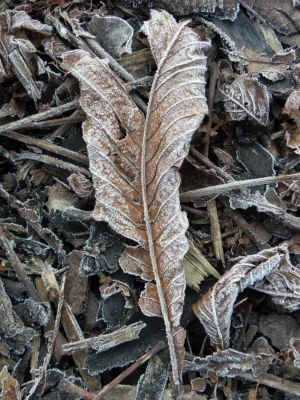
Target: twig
column 45, row 145
column 192, row 195
column 72, row 330
column 210, row 102
column 49, row 123
column 69, row 387
column 160, row 346
column 12, row 126
column 74, row 389
column 274, row 382
column 54, row 333
column 26, row 155
column 200, row 157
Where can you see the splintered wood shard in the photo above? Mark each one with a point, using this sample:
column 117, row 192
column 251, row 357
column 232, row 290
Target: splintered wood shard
column 134, row 162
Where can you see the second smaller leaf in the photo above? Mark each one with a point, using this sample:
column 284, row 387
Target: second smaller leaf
column 246, row 97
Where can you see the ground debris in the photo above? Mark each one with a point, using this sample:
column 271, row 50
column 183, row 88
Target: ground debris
column 149, row 199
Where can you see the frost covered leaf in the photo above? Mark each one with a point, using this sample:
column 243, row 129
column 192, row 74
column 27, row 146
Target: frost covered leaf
column 283, row 285
column 269, row 203
column 10, row 389
column 294, row 348
column 246, row 97
column 113, row 33
column 81, row 185
column 281, row 15
column 109, row 340
column 134, row 162
column 215, row 308
column 229, row 363
column 223, row 8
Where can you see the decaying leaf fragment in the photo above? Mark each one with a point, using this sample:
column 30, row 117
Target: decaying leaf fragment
column 197, row 268
column 134, row 162
column 215, row 308
column 281, row 15
column 246, row 97
column 10, row 389
column 227, row 9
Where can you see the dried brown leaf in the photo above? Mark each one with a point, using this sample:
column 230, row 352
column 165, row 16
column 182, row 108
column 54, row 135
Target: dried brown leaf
column 113, row 33
column 281, row 15
column 246, row 97
column 283, row 285
column 215, row 308
column 10, row 389
column 135, row 171
column 81, row 185
column 223, row 8
column 253, row 45
column 269, row 203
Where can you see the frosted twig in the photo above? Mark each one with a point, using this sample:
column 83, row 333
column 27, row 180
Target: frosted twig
column 192, row 195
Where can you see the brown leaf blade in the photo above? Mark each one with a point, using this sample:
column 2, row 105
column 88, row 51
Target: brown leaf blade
column 215, row 308
column 135, row 173
column 246, row 97
column 10, row 388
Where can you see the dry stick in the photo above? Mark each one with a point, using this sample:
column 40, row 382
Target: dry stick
column 227, row 187
column 18, row 267
column 210, row 102
column 60, row 131
column 48, row 146
column 71, row 388
column 160, row 346
column 55, row 122
column 200, row 157
column 26, row 155
column 39, row 116
column 274, row 382
column 54, row 334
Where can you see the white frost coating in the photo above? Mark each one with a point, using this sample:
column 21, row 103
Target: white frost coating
column 135, row 169
column 215, row 308
column 246, row 97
